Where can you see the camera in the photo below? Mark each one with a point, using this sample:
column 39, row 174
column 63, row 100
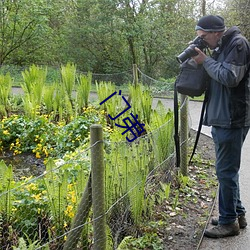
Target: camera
column 190, row 51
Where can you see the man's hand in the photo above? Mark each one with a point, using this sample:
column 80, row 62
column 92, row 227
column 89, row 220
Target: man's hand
column 200, row 58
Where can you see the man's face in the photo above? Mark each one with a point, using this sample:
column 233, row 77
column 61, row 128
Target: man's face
column 211, row 38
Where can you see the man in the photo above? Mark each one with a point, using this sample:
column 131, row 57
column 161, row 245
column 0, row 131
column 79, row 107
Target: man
column 228, row 112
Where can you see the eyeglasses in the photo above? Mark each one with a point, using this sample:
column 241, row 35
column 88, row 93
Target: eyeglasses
column 203, row 36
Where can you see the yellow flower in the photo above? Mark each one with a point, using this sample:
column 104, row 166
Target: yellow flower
column 6, row 132
column 31, row 187
column 16, row 152
column 73, row 199
column 38, row 156
column 69, row 211
column 45, row 151
column 37, row 196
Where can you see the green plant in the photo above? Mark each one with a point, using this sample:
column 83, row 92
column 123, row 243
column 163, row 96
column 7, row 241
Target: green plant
column 83, row 91
column 30, row 207
column 162, row 126
column 113, row 106
column 176, row 199
column 23, row 246
column 126, row 172
column 34, row 81
column 56, row 184
column 48, row 98
column 68, row 74
column 143, row 107
column 184, row 181
column 28, row 244
column 6, row 196
column 23, row 134
column 65, row 181
column 43, row 137
column 104, row 90
column 164, row 191
column 5, row 90
column 147, row 241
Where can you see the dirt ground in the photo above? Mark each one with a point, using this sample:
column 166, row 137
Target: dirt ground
column 187, row 222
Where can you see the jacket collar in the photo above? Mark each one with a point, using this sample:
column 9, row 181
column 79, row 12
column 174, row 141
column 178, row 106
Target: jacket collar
column 231, row 32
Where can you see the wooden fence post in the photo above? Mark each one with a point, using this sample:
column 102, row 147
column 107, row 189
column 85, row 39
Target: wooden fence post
column 98, row 195
column 135, row 74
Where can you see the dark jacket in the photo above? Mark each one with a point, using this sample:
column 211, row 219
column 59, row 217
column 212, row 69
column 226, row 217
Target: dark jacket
column 228, row 103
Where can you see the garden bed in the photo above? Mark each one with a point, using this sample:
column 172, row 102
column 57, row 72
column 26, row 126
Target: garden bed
column 178, row 222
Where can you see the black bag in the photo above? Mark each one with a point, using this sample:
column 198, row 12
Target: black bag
column 192, row 80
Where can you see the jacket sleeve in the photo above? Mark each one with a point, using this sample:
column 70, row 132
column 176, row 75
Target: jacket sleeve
column 234, row 66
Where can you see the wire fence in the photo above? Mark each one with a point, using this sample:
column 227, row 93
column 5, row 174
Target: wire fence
column 55, row 210
column 42, row 209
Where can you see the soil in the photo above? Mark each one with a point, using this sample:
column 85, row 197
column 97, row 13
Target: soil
column 25, row 164
column 188, row 221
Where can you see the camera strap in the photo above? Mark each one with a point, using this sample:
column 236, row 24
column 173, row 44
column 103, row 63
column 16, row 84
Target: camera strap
column 176, row 126
column 199, row 127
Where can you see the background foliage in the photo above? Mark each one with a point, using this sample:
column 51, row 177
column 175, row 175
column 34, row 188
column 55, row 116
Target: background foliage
column 106, row 36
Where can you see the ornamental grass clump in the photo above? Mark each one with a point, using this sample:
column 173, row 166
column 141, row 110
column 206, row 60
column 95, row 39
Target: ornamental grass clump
column 141, row 99
column 68, row 75
column 34, row 80
column 5, row 91
column 83, row 91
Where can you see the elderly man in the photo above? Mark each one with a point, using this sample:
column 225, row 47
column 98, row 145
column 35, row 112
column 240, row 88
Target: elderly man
column 228, row 112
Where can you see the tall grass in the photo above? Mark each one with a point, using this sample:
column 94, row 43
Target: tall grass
column 68, row 74
column 6, row 197
column 5, row 90
column 48, row 98
column 141, row 102
column 161, row 126
column 114, row 105
column 83, row 91
column 33, row 86
column 126, row 172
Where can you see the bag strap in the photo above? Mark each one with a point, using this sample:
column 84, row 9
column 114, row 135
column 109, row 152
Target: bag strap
column 199, row 127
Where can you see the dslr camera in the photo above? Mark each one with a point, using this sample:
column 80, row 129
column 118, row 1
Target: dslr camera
column 190, row 51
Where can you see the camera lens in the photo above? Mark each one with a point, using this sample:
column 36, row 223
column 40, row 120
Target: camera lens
column 187, row 53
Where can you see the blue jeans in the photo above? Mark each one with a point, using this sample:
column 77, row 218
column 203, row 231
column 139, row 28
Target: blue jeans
column 228, row 145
